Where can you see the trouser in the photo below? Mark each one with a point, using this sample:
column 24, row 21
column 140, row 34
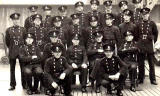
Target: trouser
column 66, row 84
column 141, row 66
column 12, row 72
column 118, row 84
column 35, row 71
column 83, row 75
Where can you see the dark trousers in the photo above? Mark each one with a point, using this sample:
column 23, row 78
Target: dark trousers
column 83, row 75
column 66, row 84
column 118, row 84
column 12, row 73
column 141, row 66
column 33, row 71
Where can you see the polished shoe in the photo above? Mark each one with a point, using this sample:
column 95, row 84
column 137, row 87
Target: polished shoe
column 11, row 88
column 109, row 92
column 154, row 82
column 119, row 93
column 98, row 90
column 68, row 95
column 47, row 92
column 29, row 92
column 36, row 92
column 133, row 88
column 84, row 89
column 140, row 81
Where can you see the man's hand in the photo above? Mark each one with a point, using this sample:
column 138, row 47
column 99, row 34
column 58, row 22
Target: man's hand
column 100, row 50
column 117, row 76
column 84, row 65
column 62, row 76
column 111, row 77
column 34, row 57
column 55, row 85
column 74, row 65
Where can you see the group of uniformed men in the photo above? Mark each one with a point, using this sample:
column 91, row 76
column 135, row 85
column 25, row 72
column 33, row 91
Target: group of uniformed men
column 109, row 45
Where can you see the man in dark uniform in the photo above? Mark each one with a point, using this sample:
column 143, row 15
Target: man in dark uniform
column 127, row 25
column 92, row 28
column 148, row 34
column 96, row 52
column 137, row 14
column 122, row 5
column 62, row 11
column 79, row 10
column 47, row 22
column 57, row 72
column 30, row 55
column 39, row 31
column 128, row 52
column 78, row 60
column 94, row 7
column 108, row 9
column 14, row 39
column 112, row 71
column 75, row 28
column 29, row 21
column 61, row 28
column 111, row 33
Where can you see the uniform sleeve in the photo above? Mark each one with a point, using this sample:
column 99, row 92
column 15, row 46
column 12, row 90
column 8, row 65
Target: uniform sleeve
column 26, row 24
column 68, row 67
column 155, row 32
column 102, row 72
column 84, row 56
column 23, row 57
column 122, row 65
column 68, row 55
column 7, row 38
column 90, row 50
column 118, row 36
column 47, row 71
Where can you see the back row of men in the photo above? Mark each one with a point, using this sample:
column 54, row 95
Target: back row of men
column 83, row 38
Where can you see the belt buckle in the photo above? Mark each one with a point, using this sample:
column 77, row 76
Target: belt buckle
column 16, row 42
column 39, row 42
column 144, row 37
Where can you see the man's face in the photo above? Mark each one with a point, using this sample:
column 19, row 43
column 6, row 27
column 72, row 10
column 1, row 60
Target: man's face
column 145, row 17
column 75, row 21
column 47, row 12
column 62, row 13
column 129, row 38
column 109, row 22
column 79, row 9
column 15, row 22
column 108, row 9
column 37, row 21
column 54, row 39
column 58, row 24
column 57, row 54
column 29, row 41
column 75, row 42
column 94, row 7
column 109, row 54
column 33, row 13
column 95, row 23
column 124, row 7
column 99, row 39
column 126, row 18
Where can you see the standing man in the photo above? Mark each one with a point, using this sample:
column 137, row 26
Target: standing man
column 14, row 39
column 57, row 72
column 123, row 5
column 47, row 22
column 78, row 60
column 29, row 21
column 127, row 25
column 79, row 10
column 148, row 34
column 62, row 11
column 94, row 7
column 137, row 14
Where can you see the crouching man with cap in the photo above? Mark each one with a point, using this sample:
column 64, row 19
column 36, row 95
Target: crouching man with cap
column 56, row 71
column 112, row 70
column 31, row 56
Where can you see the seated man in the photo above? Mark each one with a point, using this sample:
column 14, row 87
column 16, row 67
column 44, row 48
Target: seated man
column 112, row 71
column 128, row 52
column 56, row 72
column 78, row 59
column 31, row 56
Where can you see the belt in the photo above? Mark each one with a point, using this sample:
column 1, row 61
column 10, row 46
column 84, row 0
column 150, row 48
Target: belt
column 144, row 37
column 16, row 42
column 39, row 42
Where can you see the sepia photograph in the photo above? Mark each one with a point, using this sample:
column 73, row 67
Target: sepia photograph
column 79, row 47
